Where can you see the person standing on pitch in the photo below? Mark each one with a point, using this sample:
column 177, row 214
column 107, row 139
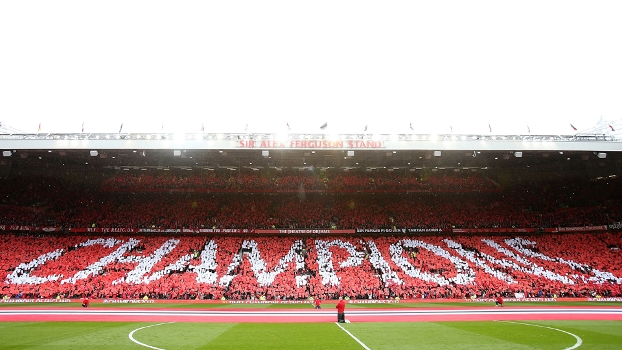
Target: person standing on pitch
column 341, row 308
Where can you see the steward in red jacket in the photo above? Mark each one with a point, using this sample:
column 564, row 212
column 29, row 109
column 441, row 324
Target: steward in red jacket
column 341, row 308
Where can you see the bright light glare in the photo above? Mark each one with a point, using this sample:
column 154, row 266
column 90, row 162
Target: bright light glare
column 268, row 66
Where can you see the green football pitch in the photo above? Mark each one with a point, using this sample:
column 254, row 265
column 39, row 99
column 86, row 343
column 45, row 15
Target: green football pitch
column 369, row 335
column 520, row 334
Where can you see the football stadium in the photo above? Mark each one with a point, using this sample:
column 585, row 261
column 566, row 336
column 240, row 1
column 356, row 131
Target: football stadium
column 325, row 175
column 206, row 240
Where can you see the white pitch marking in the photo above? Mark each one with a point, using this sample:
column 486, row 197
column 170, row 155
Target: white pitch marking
column 142, row 344
column 353, row 337
column 576, row 345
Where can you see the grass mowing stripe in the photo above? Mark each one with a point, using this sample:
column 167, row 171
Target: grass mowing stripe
column 67, row 335
column 437, row 335
column 353, row 337
column 131, row 335
column 285, row 336
column 576, row 345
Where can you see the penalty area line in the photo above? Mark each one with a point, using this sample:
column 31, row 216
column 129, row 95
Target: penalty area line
column 353, row 337
column 131, row 335
column 576, row 345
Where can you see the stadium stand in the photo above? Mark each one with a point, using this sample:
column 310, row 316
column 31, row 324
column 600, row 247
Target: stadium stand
column 42, row 201
column 288, row 181
column 294, row 268
column 448, row 257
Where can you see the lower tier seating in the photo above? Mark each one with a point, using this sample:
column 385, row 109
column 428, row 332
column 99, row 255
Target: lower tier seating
column 294, row 268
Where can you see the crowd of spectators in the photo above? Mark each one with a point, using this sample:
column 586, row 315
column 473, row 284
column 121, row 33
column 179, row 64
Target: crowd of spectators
column 50, row 202
column 382, row 267
column 294, row 181
column 296, row 268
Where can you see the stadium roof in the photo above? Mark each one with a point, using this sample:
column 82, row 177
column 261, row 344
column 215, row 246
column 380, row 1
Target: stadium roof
column 593, row 155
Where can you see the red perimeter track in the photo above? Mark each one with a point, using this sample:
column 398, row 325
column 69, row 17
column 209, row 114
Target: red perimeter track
column 299, row 315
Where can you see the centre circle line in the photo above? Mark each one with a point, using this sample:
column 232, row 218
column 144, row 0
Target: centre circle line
column 131, row 335
column 576, row 345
